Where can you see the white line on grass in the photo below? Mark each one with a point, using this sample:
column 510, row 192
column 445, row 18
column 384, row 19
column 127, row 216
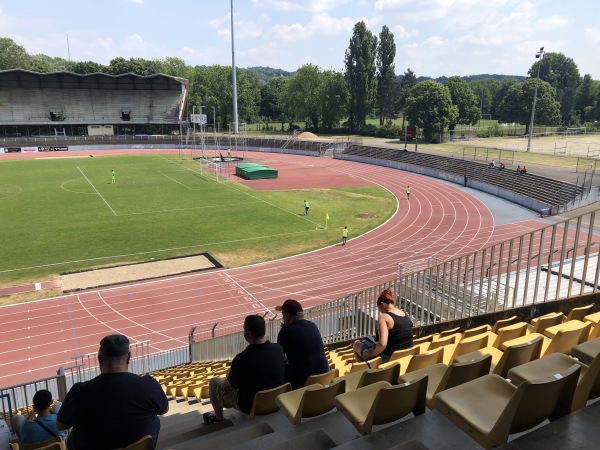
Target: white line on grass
column 97, row 192
column 251, row 195
column 159, row 251
column 160, row 211
column 173, row 179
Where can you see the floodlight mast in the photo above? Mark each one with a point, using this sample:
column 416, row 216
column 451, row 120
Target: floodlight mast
column 233, row 77
column 539, row 55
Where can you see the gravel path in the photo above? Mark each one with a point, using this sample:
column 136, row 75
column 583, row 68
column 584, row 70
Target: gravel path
column 134, row 272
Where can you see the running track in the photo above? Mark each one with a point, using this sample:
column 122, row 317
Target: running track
column 439, row 220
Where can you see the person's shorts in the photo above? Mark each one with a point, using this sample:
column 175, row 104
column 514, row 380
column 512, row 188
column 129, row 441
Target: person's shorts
column 366, row 344
column 226, row 395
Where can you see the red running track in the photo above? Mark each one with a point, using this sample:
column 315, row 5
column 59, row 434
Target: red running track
column 439, row 220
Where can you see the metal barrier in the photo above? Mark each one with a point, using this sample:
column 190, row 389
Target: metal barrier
column 556, row 262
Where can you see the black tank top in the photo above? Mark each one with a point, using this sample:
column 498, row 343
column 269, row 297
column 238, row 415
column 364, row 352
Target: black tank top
column 400, row 336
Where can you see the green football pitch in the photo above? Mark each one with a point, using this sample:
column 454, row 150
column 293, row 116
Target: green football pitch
column 62, row 215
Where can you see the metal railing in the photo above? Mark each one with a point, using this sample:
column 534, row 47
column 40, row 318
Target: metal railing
column 556, row 262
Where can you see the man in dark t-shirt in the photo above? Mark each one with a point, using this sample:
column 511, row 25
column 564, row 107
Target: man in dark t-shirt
column 302, row 345
column 259, row 367
column 116, row 408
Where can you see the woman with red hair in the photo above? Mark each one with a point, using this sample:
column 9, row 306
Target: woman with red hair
column 394, row 331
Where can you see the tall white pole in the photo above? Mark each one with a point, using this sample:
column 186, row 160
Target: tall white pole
column 233, row 77
column 539, row 55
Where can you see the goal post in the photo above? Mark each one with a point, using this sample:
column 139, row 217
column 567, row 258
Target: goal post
column 212, row 170
column 575, row 131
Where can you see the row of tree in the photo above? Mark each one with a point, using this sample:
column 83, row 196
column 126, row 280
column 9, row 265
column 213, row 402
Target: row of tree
column 368, row 87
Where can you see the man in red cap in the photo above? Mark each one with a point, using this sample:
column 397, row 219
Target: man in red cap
column 302, row 345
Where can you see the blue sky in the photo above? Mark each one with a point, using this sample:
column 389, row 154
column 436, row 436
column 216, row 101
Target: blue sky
column 433, row 37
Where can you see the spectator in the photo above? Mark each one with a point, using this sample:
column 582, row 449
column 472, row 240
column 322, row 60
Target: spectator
column 492, row 164
column 502, row 166
column 260, row 366
column 116, row 408
column 524, row 170
column 302, row 345
column 518, row 169
column 394, row 331
column 41, row 423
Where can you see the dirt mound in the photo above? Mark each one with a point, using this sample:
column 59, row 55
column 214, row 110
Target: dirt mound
column 307, row 135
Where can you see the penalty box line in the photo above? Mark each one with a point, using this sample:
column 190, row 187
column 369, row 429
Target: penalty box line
column 97, row 192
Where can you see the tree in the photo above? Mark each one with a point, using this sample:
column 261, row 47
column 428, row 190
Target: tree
column 585, row 99
column 176, row 67
column 270, row 100
column 360, row 74
column 44, row 64
column 13, row 56
column 387, row 90
column 86, row 67
column 517, row 104
column 563, row 75
column 429, row 106
column 301, row 96
column 465, row 100
column 407, row 81
column 333, row 95
column 138, row 66
column 500, row 93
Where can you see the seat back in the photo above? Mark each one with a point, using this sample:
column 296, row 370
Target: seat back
column 509, row 332
column 360, row 366
column 394, row 402
column 580, row 312
column 475, row 331
column 588, row 386
column 460, row 373
column 449, row 332
column 515, row 355
column 503, row 323
column 46, row 443
column 565, row 340
column 594, row 332
column 442, row 342
column 323, row 378
column 537, row 400
column 389, row 374
column 144, row 443
column 549, row 320
column 319, row 401
column 426, row 359
column 468, row 345
column 264, row 401
column 422, row 340
column 414, row 350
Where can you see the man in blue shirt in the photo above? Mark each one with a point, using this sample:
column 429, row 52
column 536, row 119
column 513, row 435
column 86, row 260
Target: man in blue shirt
column 43, row 427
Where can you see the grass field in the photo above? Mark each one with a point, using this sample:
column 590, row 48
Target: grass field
column 64, row 215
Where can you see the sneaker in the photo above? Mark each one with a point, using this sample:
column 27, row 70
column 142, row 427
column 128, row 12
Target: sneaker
column 210, row 417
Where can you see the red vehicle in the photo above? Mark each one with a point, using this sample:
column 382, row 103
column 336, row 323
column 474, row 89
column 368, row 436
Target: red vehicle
column 411, row 132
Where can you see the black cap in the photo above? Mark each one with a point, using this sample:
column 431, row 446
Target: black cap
column 114, row 345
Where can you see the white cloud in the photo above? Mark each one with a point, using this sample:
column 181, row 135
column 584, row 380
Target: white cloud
column 593, row 34
column 299, row 5
column 328, row 25
column 290, row 33
column 135, row 39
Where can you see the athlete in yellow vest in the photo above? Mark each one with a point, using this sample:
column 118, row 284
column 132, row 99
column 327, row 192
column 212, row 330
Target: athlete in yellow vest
column 408, row 192
column 344, row 235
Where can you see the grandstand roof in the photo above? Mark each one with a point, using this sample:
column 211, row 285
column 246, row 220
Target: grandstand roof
column 19, row 78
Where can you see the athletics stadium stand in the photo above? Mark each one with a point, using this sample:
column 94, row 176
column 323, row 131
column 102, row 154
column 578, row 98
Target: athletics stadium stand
column 37, row 103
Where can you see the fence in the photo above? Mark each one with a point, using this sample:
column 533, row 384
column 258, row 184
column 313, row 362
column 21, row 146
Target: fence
column 85, row 368
column 556, row 262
